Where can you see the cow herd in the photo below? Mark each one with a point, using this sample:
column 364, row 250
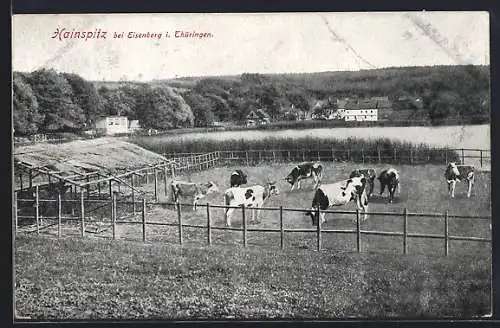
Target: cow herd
column 358, row 187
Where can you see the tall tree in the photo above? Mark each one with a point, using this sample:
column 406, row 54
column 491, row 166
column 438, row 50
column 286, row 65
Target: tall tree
column 26, row 117
column 54, row 95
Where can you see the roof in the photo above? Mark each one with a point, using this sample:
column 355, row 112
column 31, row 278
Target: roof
column 367, row 104
column 257, row 113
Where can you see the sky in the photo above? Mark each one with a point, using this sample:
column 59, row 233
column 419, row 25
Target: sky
column 245, row 43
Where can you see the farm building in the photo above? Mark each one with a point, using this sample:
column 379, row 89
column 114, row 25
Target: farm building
column 363, row 110
column 110, row 125
column 257, row 117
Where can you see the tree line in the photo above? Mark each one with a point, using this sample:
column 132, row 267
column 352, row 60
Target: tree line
column 47, row 101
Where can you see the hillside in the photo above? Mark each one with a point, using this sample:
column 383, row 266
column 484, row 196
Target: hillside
column 48, row 101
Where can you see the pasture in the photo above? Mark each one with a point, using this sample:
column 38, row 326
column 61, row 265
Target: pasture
column 99, row 278
column 423, row 190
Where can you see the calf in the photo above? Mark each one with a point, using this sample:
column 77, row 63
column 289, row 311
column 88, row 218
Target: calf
column 340, row 193
column 253, row 197
column 238, row 177
column 191, row 189
column 303, row 171
column 370, row 175
column 454, row 173
column 389, row 178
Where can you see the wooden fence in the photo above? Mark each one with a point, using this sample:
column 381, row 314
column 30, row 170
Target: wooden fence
column 209, row 227
column 477, row 157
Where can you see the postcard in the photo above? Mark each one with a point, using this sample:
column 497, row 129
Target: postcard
column 251, row 166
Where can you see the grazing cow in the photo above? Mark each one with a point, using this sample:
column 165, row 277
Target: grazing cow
column 238, row 178
column 303, row 171
column 454, row 173
column 389, row 178
column 340, row 193
column 191, row 189
column 370, row 175
column 253, row 197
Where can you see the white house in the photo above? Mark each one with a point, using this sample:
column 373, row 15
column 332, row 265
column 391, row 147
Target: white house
column 361, row 114
column 361, row 111
column 112, row 125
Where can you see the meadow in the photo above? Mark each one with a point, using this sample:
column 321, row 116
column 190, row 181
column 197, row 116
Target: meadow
column 75, row 278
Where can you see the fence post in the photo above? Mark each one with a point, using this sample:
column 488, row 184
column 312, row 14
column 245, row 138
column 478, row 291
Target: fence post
column 303, row 155
column 246, row 155
column 87, row 187
column 379, row 157
column 82, row 213
column 260, row 156
column 463, row 157
column 133, row 192
column 282, row 231
column 31, row 178
column 37, row 211
column 209, row 226
column 179, row 218
column 144, row 219
column 21, row 180
column 333, row 155
column 405, row 232
column 156, row 184
column 274, row 157
column 288, row 156
column 363, row 154
column 244, row 225
column 481, row 157
column 446, row 239
column 147, row 176
column 99, row 189
column 110, row 188
column 319, row 158
column 113, row 214
column 15, row 213
column 172, row 171
column 411, row 155
column 348, row 155
column 59, row 210
column 358, row 232
column 165, row 180
column 395, row 155
column 446, row 156
column 318, row 229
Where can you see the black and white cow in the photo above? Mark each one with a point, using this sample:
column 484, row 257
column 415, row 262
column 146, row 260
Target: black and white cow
column 253, row 197
column 305, row 170
column 370, row 176
column 238, row 178
column 454, row 173
column 338, row 194
column 389, row 178
column 191, row 189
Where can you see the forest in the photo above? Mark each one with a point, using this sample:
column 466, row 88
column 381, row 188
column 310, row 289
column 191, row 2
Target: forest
column 46, row 101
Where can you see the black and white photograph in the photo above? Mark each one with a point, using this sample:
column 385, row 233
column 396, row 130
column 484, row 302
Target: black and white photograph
column 286, row 166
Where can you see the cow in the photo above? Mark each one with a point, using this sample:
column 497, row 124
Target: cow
column 253, row 196
column 389, row 178
column 454, row 173
column 191, row 189
column 370, row 176
column 238, row 177
column 305, row 170
column 338, row 194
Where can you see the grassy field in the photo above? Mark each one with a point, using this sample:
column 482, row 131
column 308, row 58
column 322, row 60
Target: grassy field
column 89, row 278
column 99, row 278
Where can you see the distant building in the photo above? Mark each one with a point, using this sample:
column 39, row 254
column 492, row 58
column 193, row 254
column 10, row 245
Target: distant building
column 111, row 125
column 257, row 117
column 364, row 110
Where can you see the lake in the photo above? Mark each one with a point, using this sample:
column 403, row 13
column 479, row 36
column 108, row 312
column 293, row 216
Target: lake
column 456, row 136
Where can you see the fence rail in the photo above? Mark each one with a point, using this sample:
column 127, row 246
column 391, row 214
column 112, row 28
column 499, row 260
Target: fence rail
column 478, row 157
column 84, row 219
